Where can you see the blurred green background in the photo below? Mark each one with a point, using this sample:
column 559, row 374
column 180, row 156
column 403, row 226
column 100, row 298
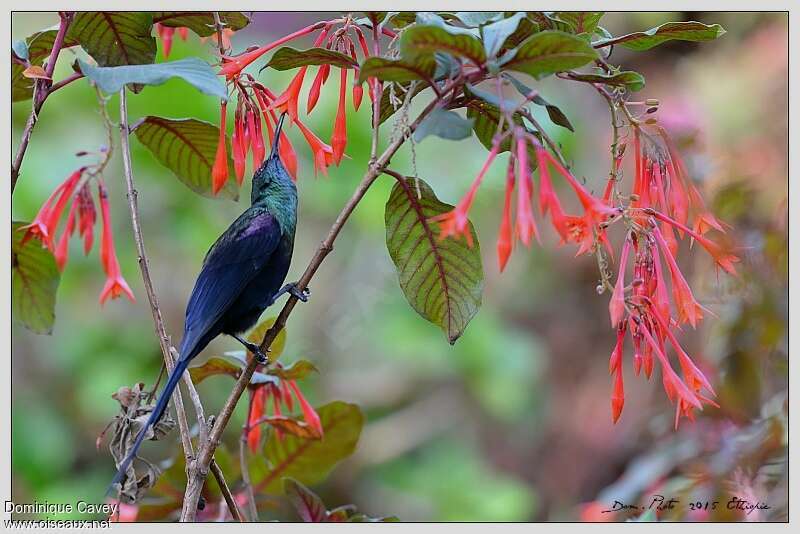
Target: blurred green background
column 512, row 423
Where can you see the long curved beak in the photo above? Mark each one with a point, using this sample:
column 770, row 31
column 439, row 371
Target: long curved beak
column 274, row 149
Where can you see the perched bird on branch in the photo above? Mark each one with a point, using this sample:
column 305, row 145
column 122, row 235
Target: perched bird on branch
column 241, row 276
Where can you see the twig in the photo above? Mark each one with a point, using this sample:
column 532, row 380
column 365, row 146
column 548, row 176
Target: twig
column 226, row 492
column 554, row 147
column 40, row 95
column 199, row 470
column 144, row 266
column 248, row 486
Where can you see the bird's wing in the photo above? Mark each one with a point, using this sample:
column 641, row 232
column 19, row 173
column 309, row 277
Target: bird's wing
column 231, row 263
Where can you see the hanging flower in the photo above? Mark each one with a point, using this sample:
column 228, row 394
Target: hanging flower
column 115, row 285
column 505, row 240
column 219, row 172
column 45, row 223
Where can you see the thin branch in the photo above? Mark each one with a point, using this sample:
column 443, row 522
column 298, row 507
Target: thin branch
column 553, row 146
column 40, row 94
column 199, row 471
column 226, row 492
column 144, row 266
column 248, row 486
column 66, row 81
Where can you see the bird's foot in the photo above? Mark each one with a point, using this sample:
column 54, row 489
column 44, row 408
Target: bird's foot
column 255, row 349
column 293, row 290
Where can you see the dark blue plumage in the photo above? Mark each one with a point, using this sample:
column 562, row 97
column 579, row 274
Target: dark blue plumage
column 241, row 276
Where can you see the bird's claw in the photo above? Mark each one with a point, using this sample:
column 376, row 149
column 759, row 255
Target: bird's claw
column 293, row 290
column 255, row 349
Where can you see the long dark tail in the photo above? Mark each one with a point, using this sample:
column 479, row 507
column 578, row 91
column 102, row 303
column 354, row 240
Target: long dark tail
column 273, row 150
column 155, row 416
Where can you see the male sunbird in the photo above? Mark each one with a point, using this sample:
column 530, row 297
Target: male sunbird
column 241, row 276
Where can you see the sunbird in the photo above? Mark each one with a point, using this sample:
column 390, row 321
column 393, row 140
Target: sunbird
column 241, row 276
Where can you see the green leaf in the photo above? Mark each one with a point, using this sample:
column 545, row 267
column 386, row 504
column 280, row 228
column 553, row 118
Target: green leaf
column 193, row 70
column 427, row 39
column 20, row 48
column 287, row 58
column 309, row 506
column 301, row 429
column 525, row 29
column 682, row 31
column 256, row 335
column 297, row 371
column 223, row 366
column 398, row 70
column 115, row 38
column 39, row 46
column 630, row 79
column 308, row 460
column 201, row 22
column 495, row 35
column 486, row 119
column 34, row 282
column 473, row 19
column 554, row 112
column 550, row 51
column 188, row 148
column 445, row 124
column 441, row 279
column 581, row 21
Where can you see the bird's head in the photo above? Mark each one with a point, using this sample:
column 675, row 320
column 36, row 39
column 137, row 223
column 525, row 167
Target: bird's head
column 272, row 180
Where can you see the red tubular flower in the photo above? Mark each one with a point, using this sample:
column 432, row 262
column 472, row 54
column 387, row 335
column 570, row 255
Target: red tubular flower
column 310, row 415
column 183, row 32
column 256, row 138
column 723, row 258
column 688, row 308
column 45, row 223
column 316, row 86
column 505, row 240
column 596, row 210
column 339, row 137
column 62, row 249
column 87, row 215
column 237, row 142
column 456, row 221
column 616, row 307
column 231, row 66
column 115, row 284
column 323, row 153
column 618, row 395
column 285, row 149
column 257, row 401
column 547, row 196
column 526, row 224
column 219, row 172
column 165, row 33
column 288, row 100
column 616, row 355
column 660, row 298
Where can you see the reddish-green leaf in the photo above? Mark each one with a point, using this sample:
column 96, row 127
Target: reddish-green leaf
column 427, row 39
column 34, row 282
column 115, row 37
column 580, row 21
column 214, row 366
column 39, row 45
column 187, row 147
column 682, row 31
column 297, row 371
column 309, row 506
column 630, row 79
column 308, row 460
column 398, row 70
column 287, row 58
column 201, row 22
column 442, row 279
column 550, row 51
column 301, row 429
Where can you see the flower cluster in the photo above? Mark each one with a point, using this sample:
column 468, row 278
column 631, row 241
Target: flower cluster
column 280, row 391
column 256, row 101
column 165, row 33
column 662, row 201
column 76, row 192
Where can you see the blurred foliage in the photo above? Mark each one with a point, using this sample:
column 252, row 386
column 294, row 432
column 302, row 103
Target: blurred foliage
column 513, row 422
